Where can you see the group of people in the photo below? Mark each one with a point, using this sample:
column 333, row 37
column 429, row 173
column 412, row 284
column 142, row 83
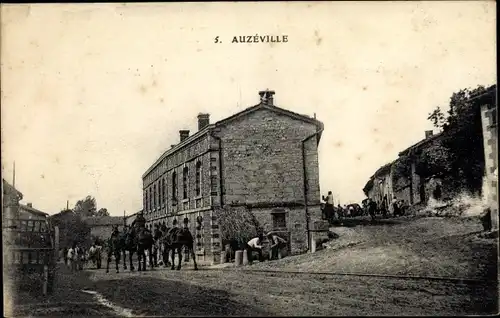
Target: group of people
column 74, row 257
column 370, row 207
column 255, row 245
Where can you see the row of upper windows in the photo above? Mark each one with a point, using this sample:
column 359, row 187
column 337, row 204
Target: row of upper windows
column 156, row 195
column 189, row 152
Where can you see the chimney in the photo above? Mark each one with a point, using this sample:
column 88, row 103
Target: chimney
column 266, row 97
column 203, row 121
column 30, row 205
column 270, row 98
column 183, row 134
column 428, row 133
column 172, row 146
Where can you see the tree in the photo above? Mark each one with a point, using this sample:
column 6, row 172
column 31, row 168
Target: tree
column 462, row 136
column 86, row 207
column 437, row 118
column 237, row 224
column 72, row 228
column 102, row 212
column 434, row 160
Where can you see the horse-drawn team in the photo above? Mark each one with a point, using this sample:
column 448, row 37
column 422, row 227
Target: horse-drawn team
column 135, row 239
column 148, row 245
column 139, row 239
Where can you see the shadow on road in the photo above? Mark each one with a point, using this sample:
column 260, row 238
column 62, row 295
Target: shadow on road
column 159, row 297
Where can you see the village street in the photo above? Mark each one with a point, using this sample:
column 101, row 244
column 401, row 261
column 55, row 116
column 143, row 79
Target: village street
column 432, row 246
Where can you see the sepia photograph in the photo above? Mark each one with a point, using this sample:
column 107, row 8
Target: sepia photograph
column 249, row 159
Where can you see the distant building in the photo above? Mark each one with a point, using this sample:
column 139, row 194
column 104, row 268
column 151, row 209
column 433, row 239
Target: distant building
column 102, row 227
column 380, row 184
column 417, row 190
column 263, row 159
column 28, row 212
column 412, row 188
column 130, row 218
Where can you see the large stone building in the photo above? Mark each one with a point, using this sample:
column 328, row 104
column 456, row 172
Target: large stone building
column 263, row 159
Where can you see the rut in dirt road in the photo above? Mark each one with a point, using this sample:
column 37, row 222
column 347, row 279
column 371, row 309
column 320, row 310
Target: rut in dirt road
column 122, row 312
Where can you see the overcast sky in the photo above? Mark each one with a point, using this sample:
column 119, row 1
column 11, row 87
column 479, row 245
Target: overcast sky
column 93, row 94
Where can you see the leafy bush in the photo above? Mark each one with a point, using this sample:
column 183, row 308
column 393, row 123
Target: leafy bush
column 237, row 224
column 434, row 160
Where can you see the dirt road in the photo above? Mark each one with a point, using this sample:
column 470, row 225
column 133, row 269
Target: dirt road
column 427, row 246
column 231, row 292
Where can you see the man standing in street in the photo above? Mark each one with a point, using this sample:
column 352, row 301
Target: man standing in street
column 329, row 206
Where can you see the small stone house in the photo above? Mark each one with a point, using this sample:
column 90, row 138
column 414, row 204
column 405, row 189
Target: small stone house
column 101, row 227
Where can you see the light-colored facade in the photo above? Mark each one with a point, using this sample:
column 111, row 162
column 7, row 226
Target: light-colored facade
column 490, row 137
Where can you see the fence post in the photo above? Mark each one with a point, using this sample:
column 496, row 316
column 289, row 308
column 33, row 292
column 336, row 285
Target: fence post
column 238, row 258
column 245, row 257
column 45, row 279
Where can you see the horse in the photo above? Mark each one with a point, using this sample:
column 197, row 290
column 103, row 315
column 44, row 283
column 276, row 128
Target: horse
column 175, row 240
column 164, row 247
column 128, row 244
column 114, row 248
column 144, row 241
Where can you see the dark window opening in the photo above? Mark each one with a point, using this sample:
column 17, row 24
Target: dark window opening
column 150, row 198
column 163, row 192
column 279, row 220
column 185, row 173
column 174, row 188
column 198, row 178
column 155, row 199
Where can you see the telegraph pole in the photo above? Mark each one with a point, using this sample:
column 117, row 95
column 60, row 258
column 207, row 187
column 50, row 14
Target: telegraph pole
column 14, row 175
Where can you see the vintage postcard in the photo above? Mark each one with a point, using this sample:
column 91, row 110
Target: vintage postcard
column 249, row 159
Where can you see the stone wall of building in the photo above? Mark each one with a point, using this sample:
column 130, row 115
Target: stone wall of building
column 490, row 137
column 156, row 205
column 263, row 160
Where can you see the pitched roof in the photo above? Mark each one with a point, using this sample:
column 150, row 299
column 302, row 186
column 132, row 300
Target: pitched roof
column 64, row 212
column 226, row 120
column 9, row 189
column 420, row 144
column 104, row 220
column 32, row 210
column 383, row 170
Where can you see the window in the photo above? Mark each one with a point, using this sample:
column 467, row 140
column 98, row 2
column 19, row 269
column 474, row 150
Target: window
column 494, row 117
column 155, row 199
column 163, row 194
column 279, row 220
column 150, row 198
column 185, row 173
column 198, row 179
column 159, row 192
column 146, row 202
column 174, row 187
